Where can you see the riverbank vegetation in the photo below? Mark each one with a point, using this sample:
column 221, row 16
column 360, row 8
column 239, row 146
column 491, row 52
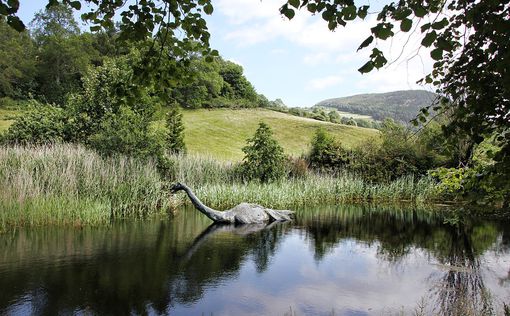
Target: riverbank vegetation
column 69, row 184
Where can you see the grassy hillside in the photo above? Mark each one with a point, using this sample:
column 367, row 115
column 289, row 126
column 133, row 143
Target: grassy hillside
column 222, row 133
column 6, row 118
column 399, row 105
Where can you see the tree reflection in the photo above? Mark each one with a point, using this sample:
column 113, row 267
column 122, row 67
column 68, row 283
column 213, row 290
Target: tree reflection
column 455, row 240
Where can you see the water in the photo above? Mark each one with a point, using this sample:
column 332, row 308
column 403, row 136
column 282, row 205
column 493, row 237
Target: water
column 341, row 260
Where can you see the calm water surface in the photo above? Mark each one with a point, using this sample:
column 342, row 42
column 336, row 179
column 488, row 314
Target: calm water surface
column 340, row 260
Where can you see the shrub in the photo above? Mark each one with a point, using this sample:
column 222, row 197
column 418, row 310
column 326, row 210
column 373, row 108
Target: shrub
column 327, row 154
column 297, row 167
column 175, row 134
column 264, row 158
column 126, row 132
column 41, row 124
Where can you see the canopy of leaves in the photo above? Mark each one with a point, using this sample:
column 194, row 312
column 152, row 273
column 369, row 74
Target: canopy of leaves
column 177, row 21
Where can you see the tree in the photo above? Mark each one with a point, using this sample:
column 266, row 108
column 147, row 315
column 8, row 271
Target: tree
column 469, row 43
column 17, row 62
column 326, row 154
column 236, row 86
column 63, row 54
column 175, row 135
column 334, row 117
column 177, row 21
column 264, row 158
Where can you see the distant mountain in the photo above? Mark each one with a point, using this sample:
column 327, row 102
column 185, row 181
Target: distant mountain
column 399, row 105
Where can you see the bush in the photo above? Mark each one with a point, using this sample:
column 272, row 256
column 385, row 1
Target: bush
column 41, row 124
column 327, row 154
column 264, row 159
column 127, row 132
column 175, row 134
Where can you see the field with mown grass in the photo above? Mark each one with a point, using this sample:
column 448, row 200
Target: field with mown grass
column 222, row 133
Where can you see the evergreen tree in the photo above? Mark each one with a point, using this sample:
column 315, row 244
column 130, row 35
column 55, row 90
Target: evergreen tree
column 264, row 158
column 175, row 136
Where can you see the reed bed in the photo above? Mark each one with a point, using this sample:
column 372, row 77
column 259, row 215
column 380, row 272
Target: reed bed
column 69, row 184
column 219, row 185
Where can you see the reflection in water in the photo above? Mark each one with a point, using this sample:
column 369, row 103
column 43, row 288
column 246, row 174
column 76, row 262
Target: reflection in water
column 350, row 260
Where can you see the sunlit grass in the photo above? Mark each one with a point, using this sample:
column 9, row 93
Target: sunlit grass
column 222, row 133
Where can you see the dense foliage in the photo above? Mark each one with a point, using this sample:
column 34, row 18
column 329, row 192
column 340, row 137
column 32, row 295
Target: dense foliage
column 175, row 134
column 264, row 159
column 468, row 40
column 397, row 154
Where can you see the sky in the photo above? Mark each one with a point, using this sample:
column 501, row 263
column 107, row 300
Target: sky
column 301, row 61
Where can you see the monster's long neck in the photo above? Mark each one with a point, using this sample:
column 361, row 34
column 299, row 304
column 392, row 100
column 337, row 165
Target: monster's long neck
column 207, row 211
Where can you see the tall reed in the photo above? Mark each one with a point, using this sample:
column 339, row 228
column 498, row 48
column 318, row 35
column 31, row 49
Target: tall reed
column 220, row 185
column 69, row 184
column 65, row 183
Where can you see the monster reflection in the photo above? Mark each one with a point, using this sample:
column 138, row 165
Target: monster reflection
column 346, row 259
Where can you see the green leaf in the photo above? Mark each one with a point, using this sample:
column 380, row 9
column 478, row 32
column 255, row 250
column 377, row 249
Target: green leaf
column 208, row 9
column 429, row 39
column 382, row 30
column 406, row 24
column 436, row 54
column 15, row 23
column 312, row 7
column 349, row 12
column 14, row 4
column 366, row 42
column 366, row 68
column 289, row 13
column 3, row 9
column 95, row 28
column 327, row 15
column 75, row 5
column 425, row 27
column 420, row 11
column 363, row 11
column 294, row 3
column 440, row 24
column 445, row 45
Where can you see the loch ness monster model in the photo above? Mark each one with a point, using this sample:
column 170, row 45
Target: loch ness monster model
column 244, row 213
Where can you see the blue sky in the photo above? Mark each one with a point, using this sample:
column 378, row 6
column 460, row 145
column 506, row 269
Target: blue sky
column 301, row 61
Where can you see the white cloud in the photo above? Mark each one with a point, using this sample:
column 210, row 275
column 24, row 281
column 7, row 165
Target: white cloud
column 323, row 83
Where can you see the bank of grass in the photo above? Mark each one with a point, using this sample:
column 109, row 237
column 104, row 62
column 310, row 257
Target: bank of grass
column 68, row 184
column 222, row 133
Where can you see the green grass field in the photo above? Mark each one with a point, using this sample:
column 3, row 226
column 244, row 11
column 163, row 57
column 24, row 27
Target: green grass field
column 6, row 118
column 222, row 133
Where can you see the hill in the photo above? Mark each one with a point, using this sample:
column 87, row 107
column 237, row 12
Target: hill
column 399, row 105
column 222, row 133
